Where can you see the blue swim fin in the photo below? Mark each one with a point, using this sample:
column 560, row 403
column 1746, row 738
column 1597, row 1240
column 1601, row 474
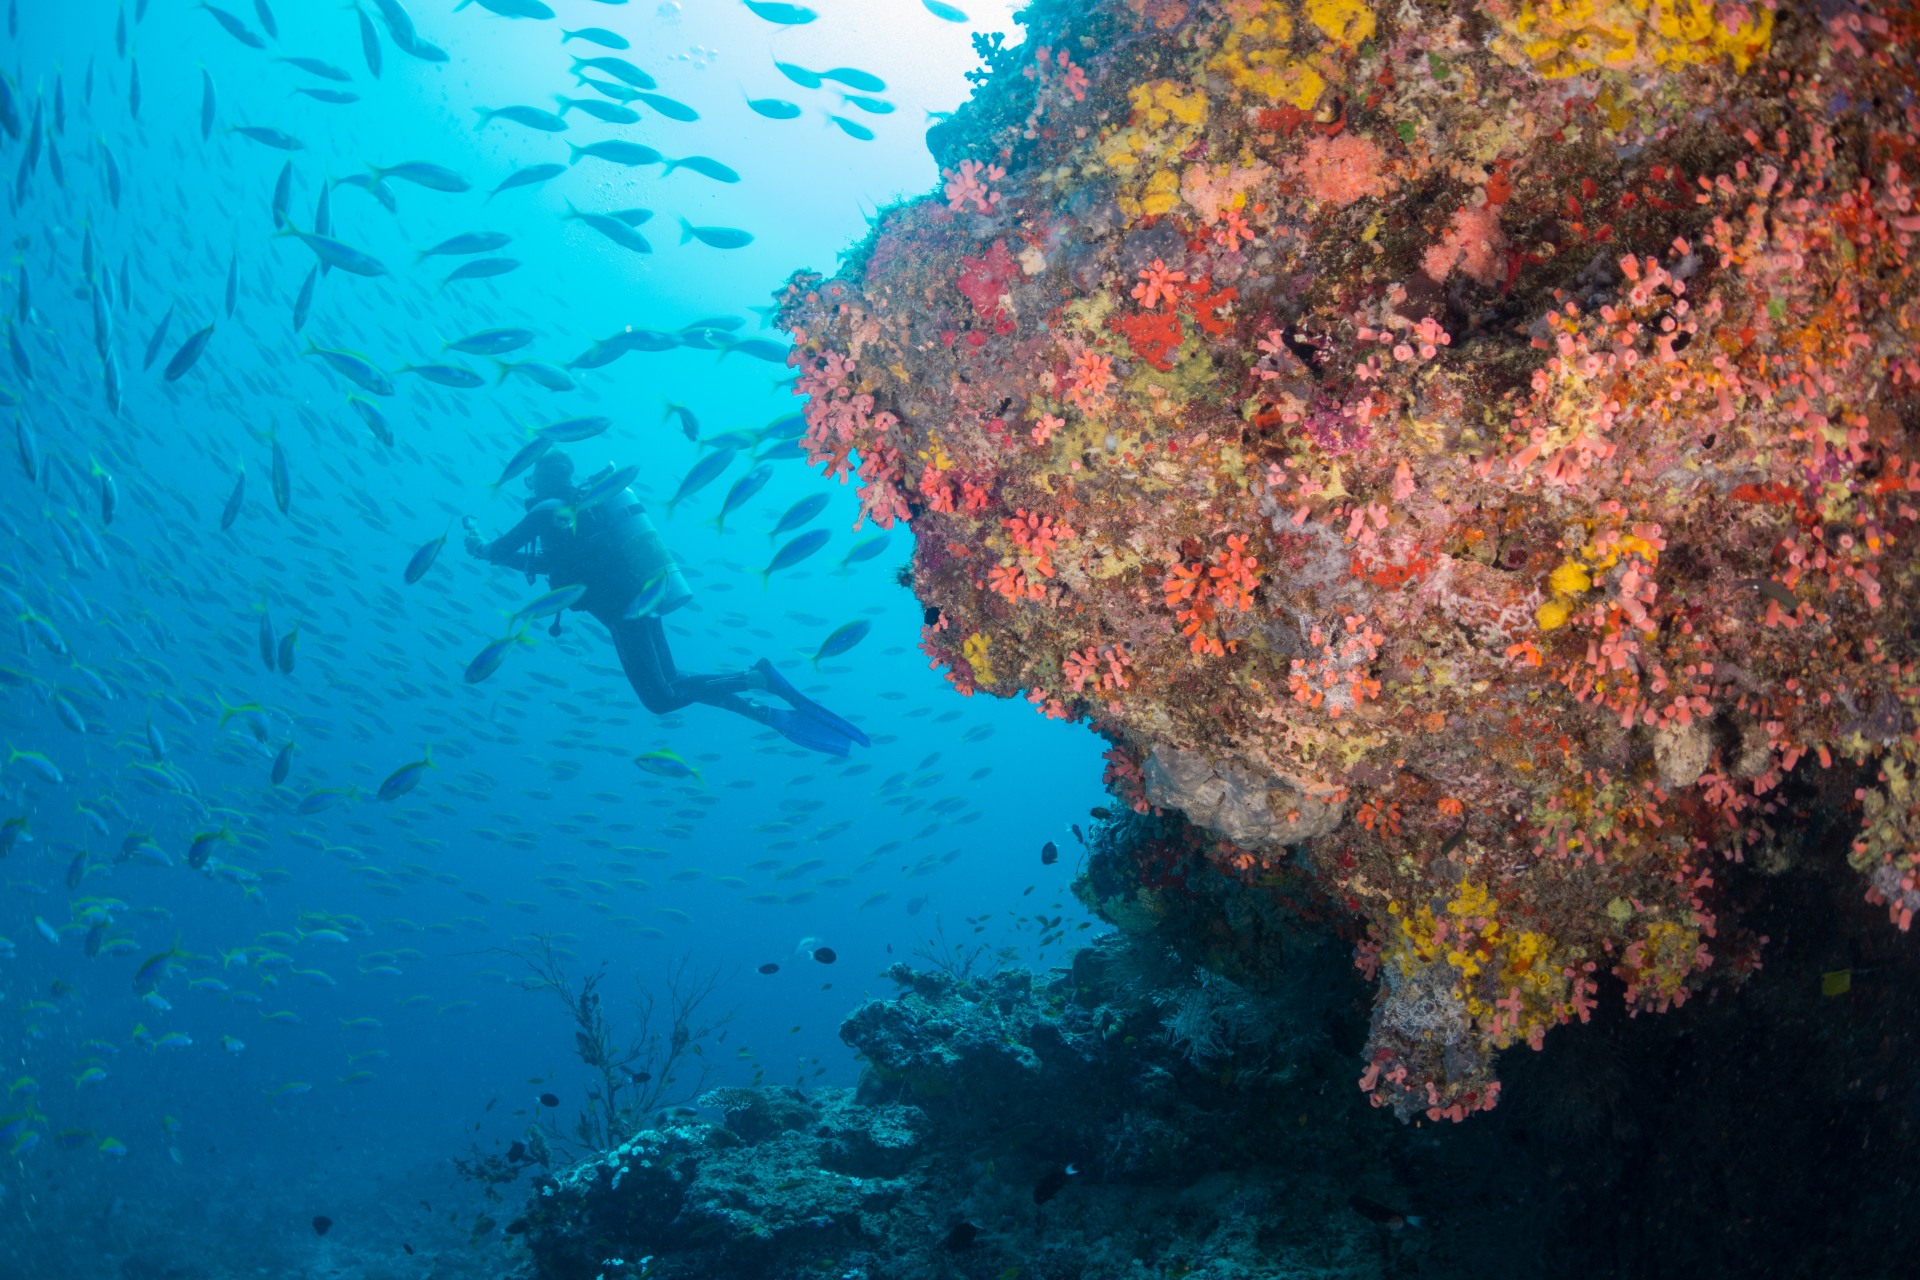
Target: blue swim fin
column 801, row 728
column 782, row 688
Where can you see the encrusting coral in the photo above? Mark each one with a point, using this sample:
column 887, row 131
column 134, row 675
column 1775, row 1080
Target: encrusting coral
column 1462, row 454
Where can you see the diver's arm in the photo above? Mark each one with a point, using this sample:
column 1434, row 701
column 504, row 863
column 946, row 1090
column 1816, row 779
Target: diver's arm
column 527, row 558
column 514, row 548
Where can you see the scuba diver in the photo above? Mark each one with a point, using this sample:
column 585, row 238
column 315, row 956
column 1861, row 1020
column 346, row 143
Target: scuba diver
column 597, row 538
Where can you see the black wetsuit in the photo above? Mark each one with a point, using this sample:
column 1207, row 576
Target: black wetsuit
column 597, row 553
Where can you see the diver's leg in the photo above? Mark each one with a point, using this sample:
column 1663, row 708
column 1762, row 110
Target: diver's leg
column 644, row 654
column 640, row 657
column 642, row 645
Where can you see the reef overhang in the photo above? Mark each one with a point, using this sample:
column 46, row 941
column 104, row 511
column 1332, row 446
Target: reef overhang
column 1462, row 455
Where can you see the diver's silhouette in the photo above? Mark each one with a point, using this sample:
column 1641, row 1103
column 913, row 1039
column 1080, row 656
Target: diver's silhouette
column 609, row 548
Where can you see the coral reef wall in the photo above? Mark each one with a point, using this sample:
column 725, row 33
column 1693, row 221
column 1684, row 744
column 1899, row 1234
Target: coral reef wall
column 1462, row 454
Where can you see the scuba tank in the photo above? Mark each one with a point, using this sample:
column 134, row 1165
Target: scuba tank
column 631, row 570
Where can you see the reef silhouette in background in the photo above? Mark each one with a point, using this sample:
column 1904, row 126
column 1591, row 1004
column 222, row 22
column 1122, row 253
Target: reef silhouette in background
column 1463, row 455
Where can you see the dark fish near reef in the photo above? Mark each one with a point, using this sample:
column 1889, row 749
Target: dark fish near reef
column 1773, row 591
column 960, row 1238
column 322, row 1225
column 769, row 967
column 548, row 1100
column 1049, row 854
column 825, row 955
column 1373, row 1211
column 1053, row 1184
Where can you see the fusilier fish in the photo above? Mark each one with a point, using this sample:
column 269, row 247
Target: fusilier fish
column 231, row 511
column 422, row 560
column 717, row 237
column 405, row 778
column 794, row 552
column 492, row 342
column 188, row 355
column 355, row 368
column 470, row 243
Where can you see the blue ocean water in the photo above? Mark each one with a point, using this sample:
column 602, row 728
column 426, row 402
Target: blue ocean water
column 314, row 1020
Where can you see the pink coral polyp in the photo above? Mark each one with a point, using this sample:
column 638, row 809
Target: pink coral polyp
column 1341, row 169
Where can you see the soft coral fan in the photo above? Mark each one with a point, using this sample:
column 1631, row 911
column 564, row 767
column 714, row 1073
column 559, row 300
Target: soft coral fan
column 1487, row 430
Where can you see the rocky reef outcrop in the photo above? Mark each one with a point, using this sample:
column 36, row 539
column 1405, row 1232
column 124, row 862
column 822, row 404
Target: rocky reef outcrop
column 1464, row 454
column 1214, row 1134
column 1000, row 1121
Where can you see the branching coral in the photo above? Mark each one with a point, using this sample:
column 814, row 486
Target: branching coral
column 1478, row 440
